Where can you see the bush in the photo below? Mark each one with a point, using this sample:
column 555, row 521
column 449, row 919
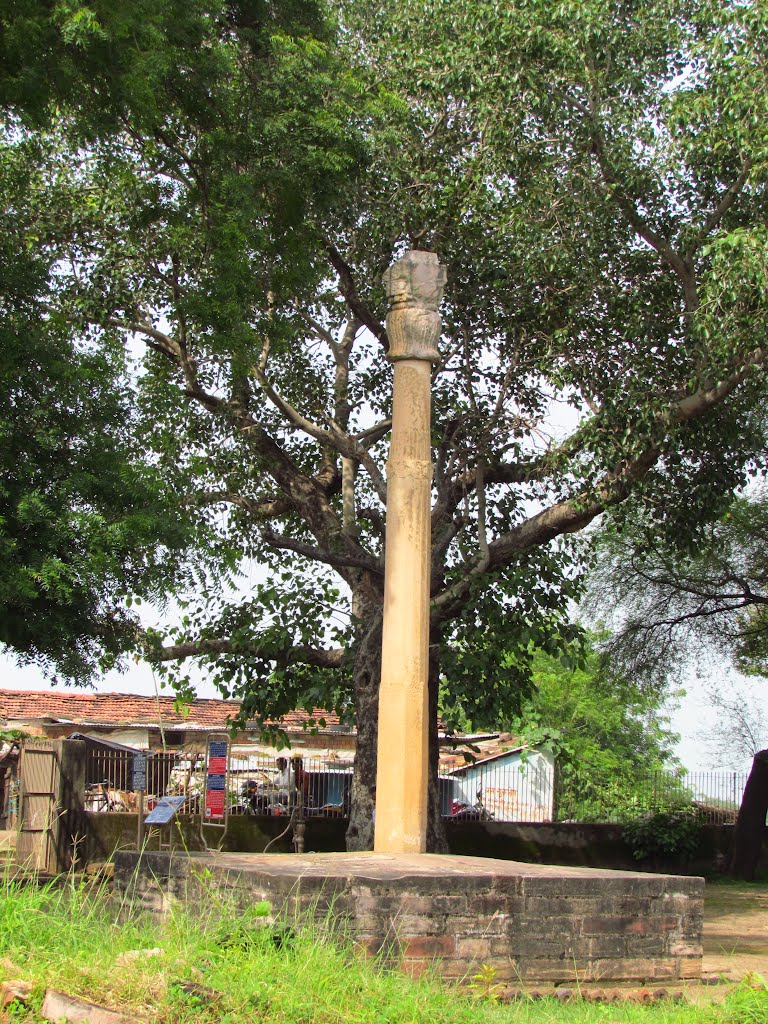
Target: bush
column 672, row 833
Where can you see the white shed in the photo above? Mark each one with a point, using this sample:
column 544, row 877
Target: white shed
column 515, row 785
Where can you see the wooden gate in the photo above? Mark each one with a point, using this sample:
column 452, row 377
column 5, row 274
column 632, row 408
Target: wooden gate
column 38, row 805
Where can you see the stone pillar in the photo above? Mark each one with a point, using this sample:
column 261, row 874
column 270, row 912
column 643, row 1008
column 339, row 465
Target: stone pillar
column 415, row 286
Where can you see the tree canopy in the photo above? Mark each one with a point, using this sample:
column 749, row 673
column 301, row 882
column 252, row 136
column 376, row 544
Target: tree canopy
column 83, row 515
column 225, row 183
column 675, row 600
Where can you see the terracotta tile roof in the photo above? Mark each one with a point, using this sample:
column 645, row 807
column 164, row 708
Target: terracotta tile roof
column 124, row 709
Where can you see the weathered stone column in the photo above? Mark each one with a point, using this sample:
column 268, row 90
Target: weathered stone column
column 415, row 286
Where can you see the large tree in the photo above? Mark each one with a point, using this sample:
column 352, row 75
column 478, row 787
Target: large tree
column 84, row 519
column 678, row 600
column 223, row 188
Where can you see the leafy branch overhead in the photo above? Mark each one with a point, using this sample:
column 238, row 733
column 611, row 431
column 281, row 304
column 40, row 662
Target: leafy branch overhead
column 667, row 604
column 211, row 193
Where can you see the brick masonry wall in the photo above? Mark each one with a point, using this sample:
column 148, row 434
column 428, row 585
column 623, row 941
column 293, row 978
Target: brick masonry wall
column 531, row 923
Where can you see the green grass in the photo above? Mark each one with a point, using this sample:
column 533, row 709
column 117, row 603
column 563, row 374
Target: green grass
column 69, row 938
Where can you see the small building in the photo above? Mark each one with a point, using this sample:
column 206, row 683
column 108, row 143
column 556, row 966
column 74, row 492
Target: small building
column 513, row 786
column 500, row 778
column 158, row 723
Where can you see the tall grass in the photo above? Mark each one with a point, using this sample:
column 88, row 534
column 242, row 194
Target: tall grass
column 224, row 965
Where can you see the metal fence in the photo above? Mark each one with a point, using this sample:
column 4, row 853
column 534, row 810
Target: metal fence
column 257, row 783
column 531, row 791
column 714, row 796
column 111, row 777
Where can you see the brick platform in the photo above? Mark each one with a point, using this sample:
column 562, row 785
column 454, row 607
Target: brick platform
column 531, row 922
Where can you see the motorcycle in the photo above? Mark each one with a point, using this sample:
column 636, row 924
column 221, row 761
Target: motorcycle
column 461, row 811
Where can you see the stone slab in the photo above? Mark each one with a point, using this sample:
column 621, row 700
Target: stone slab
column 531, row 922
column 58, row 1006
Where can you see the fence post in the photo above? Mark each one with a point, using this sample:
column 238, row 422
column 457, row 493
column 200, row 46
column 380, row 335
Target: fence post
column 556, row 786
column 140, row 822
column 70, row 801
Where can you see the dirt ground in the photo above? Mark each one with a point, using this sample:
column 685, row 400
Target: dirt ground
column 735, row 930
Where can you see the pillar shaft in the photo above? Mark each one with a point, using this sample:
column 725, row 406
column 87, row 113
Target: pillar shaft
column 415, row 287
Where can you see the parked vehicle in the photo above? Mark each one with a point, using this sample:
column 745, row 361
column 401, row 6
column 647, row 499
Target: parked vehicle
column 469, row 812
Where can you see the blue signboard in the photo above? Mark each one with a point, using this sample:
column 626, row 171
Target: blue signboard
column 164, row 811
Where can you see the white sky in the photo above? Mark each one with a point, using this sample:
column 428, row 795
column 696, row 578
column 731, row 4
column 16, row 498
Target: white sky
column 694, row 715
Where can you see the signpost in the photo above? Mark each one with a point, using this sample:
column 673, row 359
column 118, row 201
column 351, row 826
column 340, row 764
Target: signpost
column 139, row 786
column 215, row 813
column 139, row 773
column 165, row 810
column 163, row 813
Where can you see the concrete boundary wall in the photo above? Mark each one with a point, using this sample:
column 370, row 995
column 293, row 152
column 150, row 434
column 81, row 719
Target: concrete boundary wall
column 113, row 831
column 587, row 845
column 571, row 844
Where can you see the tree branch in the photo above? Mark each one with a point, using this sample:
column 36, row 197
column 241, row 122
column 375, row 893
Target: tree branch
column 163, row 343
column 318, row 329
column 316, row 555
column 351, row 296
column 707, row 398
column 334, row 437
column 681, row 266
column 373, row 434
column 300, row 654
column 727, row 200
column 270, row 509
column 728, row 604
column 575, row 513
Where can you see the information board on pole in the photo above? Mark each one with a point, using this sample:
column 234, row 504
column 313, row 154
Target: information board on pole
column 165, row 810
column 216, row 780
column 139, row 773
column 215, row 803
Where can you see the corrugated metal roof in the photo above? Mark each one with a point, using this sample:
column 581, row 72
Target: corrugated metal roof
column 468, row 751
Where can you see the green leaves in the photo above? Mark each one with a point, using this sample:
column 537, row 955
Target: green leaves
column 489, row 653
column 219, row 187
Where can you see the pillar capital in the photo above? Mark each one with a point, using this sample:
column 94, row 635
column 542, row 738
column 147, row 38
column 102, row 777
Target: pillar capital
column 414, row 286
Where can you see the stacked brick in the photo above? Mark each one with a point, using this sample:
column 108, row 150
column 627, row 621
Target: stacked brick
column 527, row 922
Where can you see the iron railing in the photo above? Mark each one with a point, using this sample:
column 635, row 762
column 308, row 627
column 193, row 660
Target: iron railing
column 532, row 791
column 258, row 783
column 715, row 797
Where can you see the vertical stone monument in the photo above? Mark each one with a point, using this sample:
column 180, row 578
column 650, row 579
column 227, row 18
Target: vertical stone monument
column 415, row 287
column 529, row 922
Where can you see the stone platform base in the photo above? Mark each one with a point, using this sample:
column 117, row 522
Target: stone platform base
column 530, row 922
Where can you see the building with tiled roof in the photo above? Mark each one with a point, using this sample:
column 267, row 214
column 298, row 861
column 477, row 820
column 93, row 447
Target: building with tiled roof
column 154, row 722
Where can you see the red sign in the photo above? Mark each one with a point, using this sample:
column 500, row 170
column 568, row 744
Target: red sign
column 214, row 803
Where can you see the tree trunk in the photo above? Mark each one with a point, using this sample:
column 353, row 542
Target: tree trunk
column 367, row 675
column 750, row 825
column 437, row 839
